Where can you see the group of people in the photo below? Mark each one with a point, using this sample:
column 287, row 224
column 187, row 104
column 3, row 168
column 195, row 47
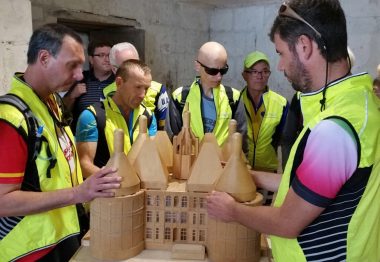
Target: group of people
column 329, row 182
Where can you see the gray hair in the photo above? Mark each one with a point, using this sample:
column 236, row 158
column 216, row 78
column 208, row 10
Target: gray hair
column 121, row 47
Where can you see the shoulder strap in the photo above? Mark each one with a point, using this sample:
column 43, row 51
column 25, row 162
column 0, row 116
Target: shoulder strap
column 230, row 95
column 185, row 92
column 33, row 139
column 181, row 104
column 102, row 154
column 148, row 117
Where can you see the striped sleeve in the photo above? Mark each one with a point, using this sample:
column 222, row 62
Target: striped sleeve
column 13, row 155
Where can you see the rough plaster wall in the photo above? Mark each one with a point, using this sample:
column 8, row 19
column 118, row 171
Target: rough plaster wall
column 15, row 30
column 173, row 30
column 246, row 29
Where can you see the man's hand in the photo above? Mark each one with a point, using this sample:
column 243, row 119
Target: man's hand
column 96, row 185
column 221, row 205
column 70, row 97
column 78, row 90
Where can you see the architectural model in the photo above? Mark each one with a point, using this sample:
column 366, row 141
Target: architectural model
column 167, row 211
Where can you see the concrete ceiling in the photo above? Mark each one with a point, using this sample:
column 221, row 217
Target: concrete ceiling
column 232, row 3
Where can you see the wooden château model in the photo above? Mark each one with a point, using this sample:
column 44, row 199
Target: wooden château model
column 174, row 210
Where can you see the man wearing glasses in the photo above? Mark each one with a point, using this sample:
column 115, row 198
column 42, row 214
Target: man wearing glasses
column 265, row 113
column 211, row 104
column 90, row 89
column 327, row 206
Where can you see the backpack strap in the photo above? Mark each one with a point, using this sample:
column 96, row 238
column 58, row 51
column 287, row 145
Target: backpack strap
column 102, row 154
column 232, row 103
column 148, row 117
column 181, row 104
column 185, row 92
column 33, row 139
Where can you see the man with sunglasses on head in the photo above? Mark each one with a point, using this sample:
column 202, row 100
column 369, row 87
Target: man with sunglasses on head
column 327, row 206
column 40, row 186
column 265, row 113
column 90, row 89
column 211, row 104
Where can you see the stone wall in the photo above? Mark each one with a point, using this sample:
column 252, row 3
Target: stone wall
column 175, row 29
column 15, row 30
column 245, row 29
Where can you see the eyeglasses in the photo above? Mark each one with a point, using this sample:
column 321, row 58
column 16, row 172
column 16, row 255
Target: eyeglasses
column 214, row 71
column 285, row 10
column 256, row 73
column 102, row 55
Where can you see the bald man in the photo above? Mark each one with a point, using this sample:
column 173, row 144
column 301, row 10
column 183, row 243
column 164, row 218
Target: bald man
column 212, row 105
column 156, row 98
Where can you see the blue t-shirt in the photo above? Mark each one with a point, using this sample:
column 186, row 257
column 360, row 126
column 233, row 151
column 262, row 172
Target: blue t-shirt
column 87, row 131
column 209, row 114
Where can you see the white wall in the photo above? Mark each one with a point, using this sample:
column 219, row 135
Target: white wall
column 246, row 29
column 15, row 30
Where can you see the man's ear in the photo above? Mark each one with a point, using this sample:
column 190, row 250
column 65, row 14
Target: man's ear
column 43, row 57
column 119, row 81
column 304, row 47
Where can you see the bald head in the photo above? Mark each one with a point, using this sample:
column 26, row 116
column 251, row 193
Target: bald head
column 213, row 52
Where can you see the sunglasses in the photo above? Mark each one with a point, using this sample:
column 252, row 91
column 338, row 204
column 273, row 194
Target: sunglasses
column 214, row 71
column 285, row 10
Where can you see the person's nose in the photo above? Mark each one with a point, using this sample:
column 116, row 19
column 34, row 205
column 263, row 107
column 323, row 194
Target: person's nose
column 78, row 75
column 219, row 76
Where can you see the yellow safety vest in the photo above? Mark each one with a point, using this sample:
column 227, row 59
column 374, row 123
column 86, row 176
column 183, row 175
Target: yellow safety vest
column 115, row 120
column 351, row 99
column 222, row 106
column 261, row 154
column 45, row 229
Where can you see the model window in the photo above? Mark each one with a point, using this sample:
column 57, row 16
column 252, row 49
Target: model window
column 183, row 217
column 202, row 202
column 168, row 217
column 176, row 201
column 157, row 233
column 157, row 217
column 148, row 200
column 148, row 233
column 157, row 201
column 149, row 216
column 167, row 233
column 184, row 201
column 183, row 234
column 168, row 201
column 202, row 235
column 202, row 219
column 194, row 236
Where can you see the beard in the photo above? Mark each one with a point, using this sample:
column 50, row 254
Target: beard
column 299, row 76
